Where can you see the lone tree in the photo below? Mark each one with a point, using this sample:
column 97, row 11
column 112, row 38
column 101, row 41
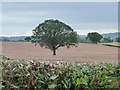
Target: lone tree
column 53, row 34
column 94, row 37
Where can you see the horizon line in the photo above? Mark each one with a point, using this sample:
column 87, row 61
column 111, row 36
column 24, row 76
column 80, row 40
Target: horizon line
column 31, row 35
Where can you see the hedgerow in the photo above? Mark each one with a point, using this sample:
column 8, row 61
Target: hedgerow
column 37, row 75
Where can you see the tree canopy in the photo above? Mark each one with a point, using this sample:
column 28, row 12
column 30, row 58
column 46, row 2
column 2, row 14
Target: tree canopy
column 28, row 38
column 106, row 40
column 118, row 39
column 94, row 37
column 53, row 34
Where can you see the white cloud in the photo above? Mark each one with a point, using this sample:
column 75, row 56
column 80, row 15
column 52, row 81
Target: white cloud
column 79, row 31
column 19, row 20
column 29, row 33
column 101, row 31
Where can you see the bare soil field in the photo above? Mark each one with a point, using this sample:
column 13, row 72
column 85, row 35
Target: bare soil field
column 84, row 53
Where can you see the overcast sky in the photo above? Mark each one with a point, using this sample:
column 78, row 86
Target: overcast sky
column 83, row 17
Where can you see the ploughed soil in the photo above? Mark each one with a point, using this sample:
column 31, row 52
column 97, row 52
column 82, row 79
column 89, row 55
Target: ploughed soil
column 84, row 52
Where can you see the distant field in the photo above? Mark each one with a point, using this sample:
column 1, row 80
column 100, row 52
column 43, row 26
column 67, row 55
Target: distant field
column 89, row 53
column 114, row 44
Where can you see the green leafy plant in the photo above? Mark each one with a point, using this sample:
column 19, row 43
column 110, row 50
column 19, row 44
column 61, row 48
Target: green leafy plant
column 35, row 75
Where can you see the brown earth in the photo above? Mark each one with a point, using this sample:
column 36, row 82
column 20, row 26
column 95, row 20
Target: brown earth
column 90, row 53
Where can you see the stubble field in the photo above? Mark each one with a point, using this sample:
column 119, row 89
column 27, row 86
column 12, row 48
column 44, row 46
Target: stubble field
column 83, row 53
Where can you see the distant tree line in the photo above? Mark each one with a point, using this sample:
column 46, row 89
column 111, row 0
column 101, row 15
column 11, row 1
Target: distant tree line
column 92, row 37
column 28, row 38
column 7, row 40
column 80, row 40
column 118, row 39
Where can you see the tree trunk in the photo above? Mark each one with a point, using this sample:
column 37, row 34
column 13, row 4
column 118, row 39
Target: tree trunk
column 54, row 51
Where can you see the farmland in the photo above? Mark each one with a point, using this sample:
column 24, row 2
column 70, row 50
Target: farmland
column 83, row 53
column 115, row 44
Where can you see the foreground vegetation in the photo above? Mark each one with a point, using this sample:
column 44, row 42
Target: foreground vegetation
column 36, row 75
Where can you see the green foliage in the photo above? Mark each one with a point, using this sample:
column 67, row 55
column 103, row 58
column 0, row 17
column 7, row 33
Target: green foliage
column 53, row 34
column 35, row 75
column 106, row 40
column 118, row 39
column 6, row 40
column 28, row 39
column 94, row 37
